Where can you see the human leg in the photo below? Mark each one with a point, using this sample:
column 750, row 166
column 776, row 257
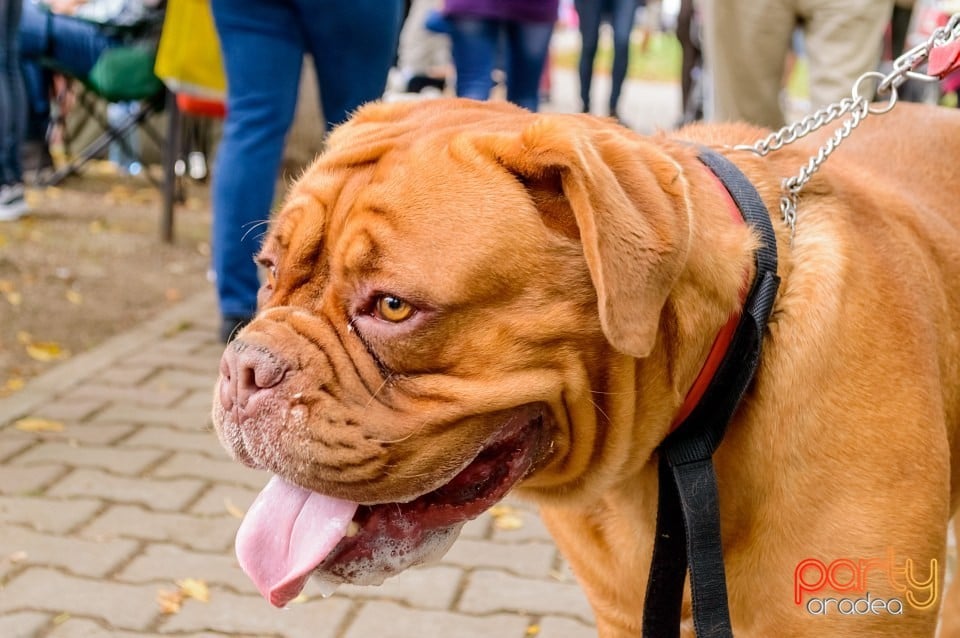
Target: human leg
column 588, row 13
column 528, row 44
column 74, row 45
column 745, row 46
column 621, row 19
column 263, row 54
column 12, row 98
column 844, row 40
column 353, row 47
column 474, row 43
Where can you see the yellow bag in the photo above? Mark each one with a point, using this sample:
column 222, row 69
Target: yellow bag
column 188, row 57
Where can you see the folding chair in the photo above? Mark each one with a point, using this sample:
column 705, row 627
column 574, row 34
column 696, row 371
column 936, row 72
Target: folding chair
column 121, row 74
column 187, row 117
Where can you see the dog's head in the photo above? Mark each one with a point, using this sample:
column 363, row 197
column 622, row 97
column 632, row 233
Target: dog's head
column 449, row 288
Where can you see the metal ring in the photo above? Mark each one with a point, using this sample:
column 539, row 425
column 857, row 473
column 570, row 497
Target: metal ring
column 869, row 74
column 881, row 109
column 880, row 77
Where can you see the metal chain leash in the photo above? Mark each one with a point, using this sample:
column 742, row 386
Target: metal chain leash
column 856, row 107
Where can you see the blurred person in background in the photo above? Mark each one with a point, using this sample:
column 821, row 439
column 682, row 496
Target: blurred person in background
column 620, row 14
column 13, row 115
column 353, row 45
column 485, row 32
column 424, row 56
column 70, row 35
column 747, row 42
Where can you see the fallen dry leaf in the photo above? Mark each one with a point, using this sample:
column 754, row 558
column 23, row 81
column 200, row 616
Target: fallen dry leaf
column 533, row 630
column 46, row 351
column 13, row 384
column 36, row 424
column 13, row 297
column 194, row 588
column 59, row 619
column 232, row 509
column 169, row 601
column 74, row 297
column 506, row 517
column 302, row 598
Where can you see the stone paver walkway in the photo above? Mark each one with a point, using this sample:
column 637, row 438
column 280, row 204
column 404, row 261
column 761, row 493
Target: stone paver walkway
column 100, row 520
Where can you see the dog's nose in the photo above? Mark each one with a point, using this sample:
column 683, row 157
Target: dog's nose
column 248, row 372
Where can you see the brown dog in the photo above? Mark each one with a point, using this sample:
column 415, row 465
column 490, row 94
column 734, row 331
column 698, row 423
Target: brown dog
column 465, row 298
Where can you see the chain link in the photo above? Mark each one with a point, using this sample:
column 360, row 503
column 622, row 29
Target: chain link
column 856, row 107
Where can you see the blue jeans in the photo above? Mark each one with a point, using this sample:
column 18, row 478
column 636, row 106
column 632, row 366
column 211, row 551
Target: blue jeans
column 73, row 45
column 352, row 43
column 12, row 99
column 620, row 14
column 476, row 44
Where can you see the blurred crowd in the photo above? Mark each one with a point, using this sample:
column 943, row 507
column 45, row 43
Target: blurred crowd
column 737, row 60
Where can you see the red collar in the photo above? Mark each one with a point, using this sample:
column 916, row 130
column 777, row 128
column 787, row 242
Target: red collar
column 722, row 342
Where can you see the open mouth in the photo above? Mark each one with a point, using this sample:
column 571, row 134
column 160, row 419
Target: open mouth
column 291, row 533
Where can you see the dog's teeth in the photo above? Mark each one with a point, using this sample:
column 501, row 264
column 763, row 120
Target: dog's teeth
column 352, row 529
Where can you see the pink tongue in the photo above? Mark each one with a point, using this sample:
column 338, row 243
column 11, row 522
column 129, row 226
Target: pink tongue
column 286, row 533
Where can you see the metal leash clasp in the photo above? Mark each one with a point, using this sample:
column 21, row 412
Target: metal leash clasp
column 856, row 108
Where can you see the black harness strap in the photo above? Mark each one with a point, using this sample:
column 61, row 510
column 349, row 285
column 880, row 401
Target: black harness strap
column 688, row 513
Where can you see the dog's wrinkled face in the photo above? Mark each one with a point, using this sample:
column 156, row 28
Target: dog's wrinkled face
column 426, row 339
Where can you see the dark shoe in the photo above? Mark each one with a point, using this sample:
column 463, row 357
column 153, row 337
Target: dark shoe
column 230, row 326
column 418, row 83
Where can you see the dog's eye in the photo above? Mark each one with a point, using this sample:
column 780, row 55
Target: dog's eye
column 392, row 309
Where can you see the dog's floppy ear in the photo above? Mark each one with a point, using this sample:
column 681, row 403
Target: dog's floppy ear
column 627, row 198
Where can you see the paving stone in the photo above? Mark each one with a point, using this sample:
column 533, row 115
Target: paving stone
column 130, row 607
column 24, row 624
column 190, row 464
column 9, row 447
column 160, row 495
column 234, row 614
column 389, row 620
column 433, row 587
column 175, row 360
column 73, row 410
column 98, row 434
column 490, row 591
column 531, row 559
column 147, row 415
column 477, row 528
column 186, row 380
column 201, row 400
column 168, row 564
column 46, row 514
column 225, row 498
column 195, row 532
column 129, row 395
column 201, row 440
column 130, row 462
column 22, row 481
column 125, row 375
column 554, row 627
column 78, row 556
column 531, row 528
column 83, row 628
